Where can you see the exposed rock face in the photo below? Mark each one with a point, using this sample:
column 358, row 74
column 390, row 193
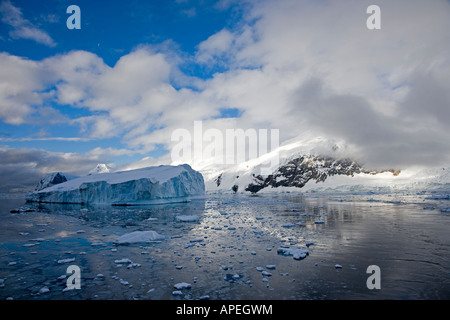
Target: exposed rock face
column 297, row 172
column 50, row 179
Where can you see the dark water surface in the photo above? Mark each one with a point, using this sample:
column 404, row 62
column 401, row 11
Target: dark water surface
column 406, row 235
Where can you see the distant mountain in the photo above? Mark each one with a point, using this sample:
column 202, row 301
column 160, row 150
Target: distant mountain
column 100, row 168
column 50, row 179
column 298, row 172
column 329, row 168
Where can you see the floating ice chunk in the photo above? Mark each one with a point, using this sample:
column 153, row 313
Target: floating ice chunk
column 319, row 222
column 288, row 225
column 266, row 274
column 296, row 253
column 98, row 244
column 30, row 244
column 133, row 265
column 124, row 260
column 182, row 285
column 139, row 236
column 260, row 269
column 338, row 266
column 66, row 260
column 187, row 218
column 44, row 290
column 445, row 209
column 177, row 293
column 124, row 282
column 271, row 266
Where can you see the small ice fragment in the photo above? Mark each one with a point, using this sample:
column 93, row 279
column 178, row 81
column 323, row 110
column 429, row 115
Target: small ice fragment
column 66, row 260
column 124, row 260
column 266, row 274
column 44, row 290
column 177, row 293
column 296, row 253
column 338, row 266
column 187, row 218
column 319, row 222
column 139, row 236
column 259, row 269
column 98, row 244
column 182, row 285
column 271, row 266
column 288, row 225
column 133, row 265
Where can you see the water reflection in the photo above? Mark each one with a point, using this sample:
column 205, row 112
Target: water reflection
column 218, row 253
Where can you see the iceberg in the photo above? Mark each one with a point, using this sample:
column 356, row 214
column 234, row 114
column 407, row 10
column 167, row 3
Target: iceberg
column 151, row 185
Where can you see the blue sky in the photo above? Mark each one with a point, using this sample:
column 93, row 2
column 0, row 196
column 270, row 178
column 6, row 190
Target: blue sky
column 114, row 91
column 110, row 30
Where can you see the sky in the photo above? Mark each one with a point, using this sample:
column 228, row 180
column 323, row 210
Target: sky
column 115, row 90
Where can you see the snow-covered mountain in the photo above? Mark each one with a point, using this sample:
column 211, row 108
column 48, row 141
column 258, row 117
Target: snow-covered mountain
column 100, row 168
column 50, row 179
column 304, row 167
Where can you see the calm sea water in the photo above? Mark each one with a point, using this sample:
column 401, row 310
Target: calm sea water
column 230, row 251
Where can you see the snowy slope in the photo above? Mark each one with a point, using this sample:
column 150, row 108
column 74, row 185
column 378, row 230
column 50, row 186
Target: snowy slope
column 50, row 179
column 150, row 185
column 100, row 168
column 304, row 167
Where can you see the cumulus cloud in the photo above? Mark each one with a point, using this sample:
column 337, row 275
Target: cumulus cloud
column 23, row 28
column 299, row 66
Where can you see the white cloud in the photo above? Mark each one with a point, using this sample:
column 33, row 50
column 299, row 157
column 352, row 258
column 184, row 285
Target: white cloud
column 21, row 27
column 299, row 66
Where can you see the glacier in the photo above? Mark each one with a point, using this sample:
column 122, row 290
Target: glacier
column 151, row 185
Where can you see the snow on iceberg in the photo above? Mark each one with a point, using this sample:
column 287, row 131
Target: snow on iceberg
column 152, row 185
column 139, row 237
